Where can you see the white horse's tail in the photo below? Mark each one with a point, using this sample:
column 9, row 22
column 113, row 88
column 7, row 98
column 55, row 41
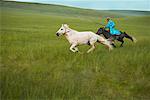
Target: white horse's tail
column 109, row 44
column 106, row 42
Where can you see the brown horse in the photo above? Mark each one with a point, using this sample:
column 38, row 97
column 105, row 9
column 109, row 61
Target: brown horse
column 111, row 37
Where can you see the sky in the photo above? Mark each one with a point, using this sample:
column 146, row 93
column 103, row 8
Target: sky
column 143, row 5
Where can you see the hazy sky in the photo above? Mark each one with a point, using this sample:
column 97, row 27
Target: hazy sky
column 100, row 4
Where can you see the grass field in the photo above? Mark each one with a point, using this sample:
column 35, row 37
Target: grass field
column 37, row 65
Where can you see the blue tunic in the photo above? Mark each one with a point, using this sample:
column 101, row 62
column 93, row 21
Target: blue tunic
column 111, row 26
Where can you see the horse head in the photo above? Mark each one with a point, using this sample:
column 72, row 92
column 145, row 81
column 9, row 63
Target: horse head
column 100, row 31
column 62, row 30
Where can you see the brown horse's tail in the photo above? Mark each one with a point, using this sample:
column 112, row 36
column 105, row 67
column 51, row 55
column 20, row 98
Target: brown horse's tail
column 130, row 37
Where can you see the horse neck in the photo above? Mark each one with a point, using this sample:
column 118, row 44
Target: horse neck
column 70, row 32
column 106, row 34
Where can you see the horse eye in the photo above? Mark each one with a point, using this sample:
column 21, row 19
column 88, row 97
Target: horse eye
column 61, row 29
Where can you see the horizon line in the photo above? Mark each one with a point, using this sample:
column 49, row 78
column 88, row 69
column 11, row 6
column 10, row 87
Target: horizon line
column 78, row 7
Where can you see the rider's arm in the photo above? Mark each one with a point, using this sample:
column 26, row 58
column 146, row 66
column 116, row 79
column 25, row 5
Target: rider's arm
column 108, row 25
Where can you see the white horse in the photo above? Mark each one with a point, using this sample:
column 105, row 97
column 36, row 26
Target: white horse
column 76, row 38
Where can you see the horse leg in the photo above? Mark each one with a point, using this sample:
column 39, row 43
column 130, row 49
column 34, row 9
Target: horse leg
column 129, row 37
column 92, row 42
column 120, row 39
column 113, row 45
column 121, row 43
column 73, row 47
column 112, row 42
column 92, row 48
column 76, row 49
column 108, row 44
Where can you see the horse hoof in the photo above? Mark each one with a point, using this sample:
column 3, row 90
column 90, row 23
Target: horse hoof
column 80, row 52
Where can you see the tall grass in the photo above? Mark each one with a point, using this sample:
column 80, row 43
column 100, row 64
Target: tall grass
column 37, row 65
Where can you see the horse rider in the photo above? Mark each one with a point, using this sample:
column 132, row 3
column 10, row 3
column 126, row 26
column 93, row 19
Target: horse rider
column 111, row 26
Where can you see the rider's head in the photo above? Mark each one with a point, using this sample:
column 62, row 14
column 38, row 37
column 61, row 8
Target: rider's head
column 107, row 19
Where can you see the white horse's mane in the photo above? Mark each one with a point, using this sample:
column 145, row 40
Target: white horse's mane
column 67, row 27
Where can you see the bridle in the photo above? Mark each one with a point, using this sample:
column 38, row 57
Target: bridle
column 101, row 30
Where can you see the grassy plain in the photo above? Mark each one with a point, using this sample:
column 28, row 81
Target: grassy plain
column 37, row 65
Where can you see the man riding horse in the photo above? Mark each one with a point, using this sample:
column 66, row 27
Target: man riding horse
column 113, row 34
column 111, row 26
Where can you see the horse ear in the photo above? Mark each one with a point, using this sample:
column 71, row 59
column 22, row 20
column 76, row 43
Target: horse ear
column 66, row 25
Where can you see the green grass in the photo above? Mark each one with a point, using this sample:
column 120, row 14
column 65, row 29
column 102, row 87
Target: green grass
column 37, row 65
